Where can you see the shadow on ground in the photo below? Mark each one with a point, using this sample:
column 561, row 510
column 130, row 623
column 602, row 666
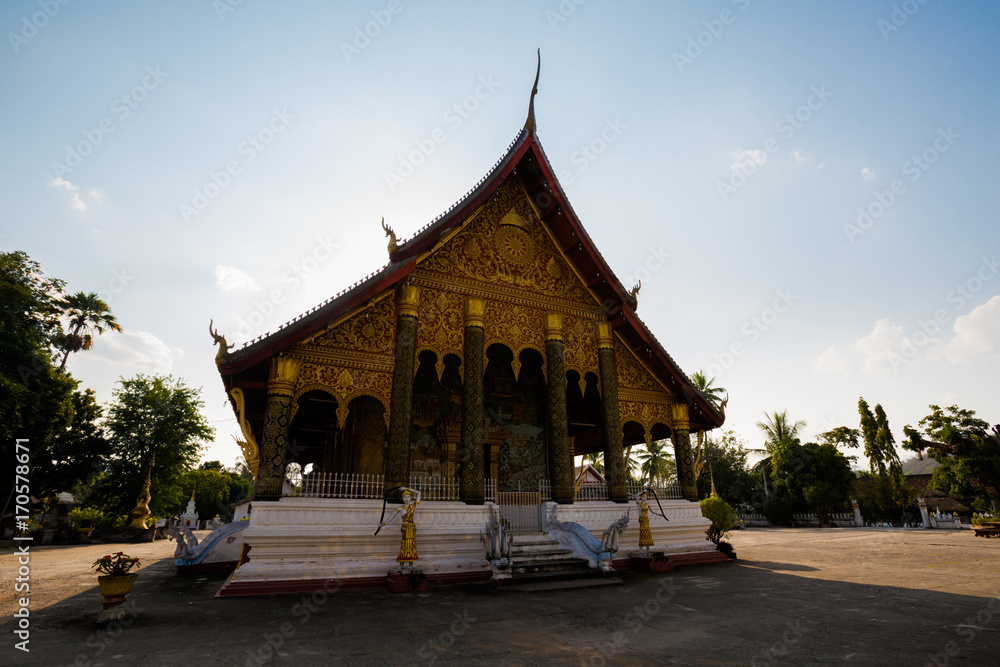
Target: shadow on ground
column 742, row 614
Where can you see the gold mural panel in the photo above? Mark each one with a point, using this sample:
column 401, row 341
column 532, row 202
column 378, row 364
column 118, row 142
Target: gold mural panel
column 440, row 324
column 506, row 246
column 579, row 339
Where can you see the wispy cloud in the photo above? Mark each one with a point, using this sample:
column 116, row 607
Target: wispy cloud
column 831, row 360
column 757, row 156
column 229, row 279
column 977, row 335
column 140, row 350
column 800, row 156
column 75, row 202
column 868, row 174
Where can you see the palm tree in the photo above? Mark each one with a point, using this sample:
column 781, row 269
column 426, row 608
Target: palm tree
column 655, row 462
column 777, row 429
column 706, row 386
column 87, row 313
column 714, row 395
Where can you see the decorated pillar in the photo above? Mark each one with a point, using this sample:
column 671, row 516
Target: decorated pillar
column 281, row 376
column 560, row 458
column 397, row 455
column 470, row 448
column 614, row 455
column 682, row 451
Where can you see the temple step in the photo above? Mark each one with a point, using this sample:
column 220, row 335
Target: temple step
column 562, row 584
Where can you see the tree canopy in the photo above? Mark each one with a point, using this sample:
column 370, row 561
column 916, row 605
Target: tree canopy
column 150, row 417
column 967, row 449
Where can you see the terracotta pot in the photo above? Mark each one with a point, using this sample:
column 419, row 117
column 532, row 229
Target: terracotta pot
column 114, row 588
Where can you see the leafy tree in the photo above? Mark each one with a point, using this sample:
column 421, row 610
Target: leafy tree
column 34, row 398
column 77, row 451
column 735, row 480
column 842, row 436
column 778, row 429
column 890, row 495
column 968, row 451
column 714, row 395
column 656, row 462
column 215, row 489
column 150, row 416
column 87, row 313
column 814, row 477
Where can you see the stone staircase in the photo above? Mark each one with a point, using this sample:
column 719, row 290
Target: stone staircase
column 541, row 564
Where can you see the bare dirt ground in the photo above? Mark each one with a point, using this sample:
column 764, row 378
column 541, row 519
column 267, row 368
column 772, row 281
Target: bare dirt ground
column 804, row 596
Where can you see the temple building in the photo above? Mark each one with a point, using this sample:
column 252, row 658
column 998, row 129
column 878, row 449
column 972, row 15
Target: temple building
column 494, row 346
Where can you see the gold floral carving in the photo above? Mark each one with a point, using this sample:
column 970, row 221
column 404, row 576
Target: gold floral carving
column 345, row 384
column 632, row 374
column 439, row 324
column 580, row 345
column 506, row 257
column 646, row 414
column 372, row 331
column 517, row 327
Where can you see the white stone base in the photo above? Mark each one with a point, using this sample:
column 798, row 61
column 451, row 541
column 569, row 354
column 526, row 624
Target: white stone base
column 302, row 539
column 684, row 533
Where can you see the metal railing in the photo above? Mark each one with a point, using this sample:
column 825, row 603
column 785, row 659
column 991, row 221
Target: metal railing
column 342, row 485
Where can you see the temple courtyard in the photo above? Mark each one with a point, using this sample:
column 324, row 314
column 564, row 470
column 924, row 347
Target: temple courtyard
column 805, row 596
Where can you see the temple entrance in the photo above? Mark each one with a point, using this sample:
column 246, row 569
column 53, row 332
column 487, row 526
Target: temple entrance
column 515, row 409
column 522, row 509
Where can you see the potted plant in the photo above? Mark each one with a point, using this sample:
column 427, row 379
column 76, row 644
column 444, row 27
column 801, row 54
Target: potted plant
column 115, row 582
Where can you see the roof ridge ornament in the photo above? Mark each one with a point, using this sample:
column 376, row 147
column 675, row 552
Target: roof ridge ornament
column 392, row 237
column 634, row 292
column 529, row 123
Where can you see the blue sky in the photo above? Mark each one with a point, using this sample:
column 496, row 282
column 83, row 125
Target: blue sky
column 232, row 162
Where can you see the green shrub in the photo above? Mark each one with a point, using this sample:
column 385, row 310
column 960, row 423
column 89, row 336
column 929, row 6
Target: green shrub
column 721, row 515
column 779, row 509
column 81, row 514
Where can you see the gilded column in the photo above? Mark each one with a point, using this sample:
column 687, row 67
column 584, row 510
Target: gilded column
column 560, row 459
column 614, row 454
column 281, row 376
column 470, row 448
column 682, row 451
column 397, row 459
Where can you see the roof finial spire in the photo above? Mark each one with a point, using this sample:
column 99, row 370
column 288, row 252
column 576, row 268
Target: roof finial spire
column 529, row 124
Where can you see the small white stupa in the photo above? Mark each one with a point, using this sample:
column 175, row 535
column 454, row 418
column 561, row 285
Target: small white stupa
column 190, row 517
